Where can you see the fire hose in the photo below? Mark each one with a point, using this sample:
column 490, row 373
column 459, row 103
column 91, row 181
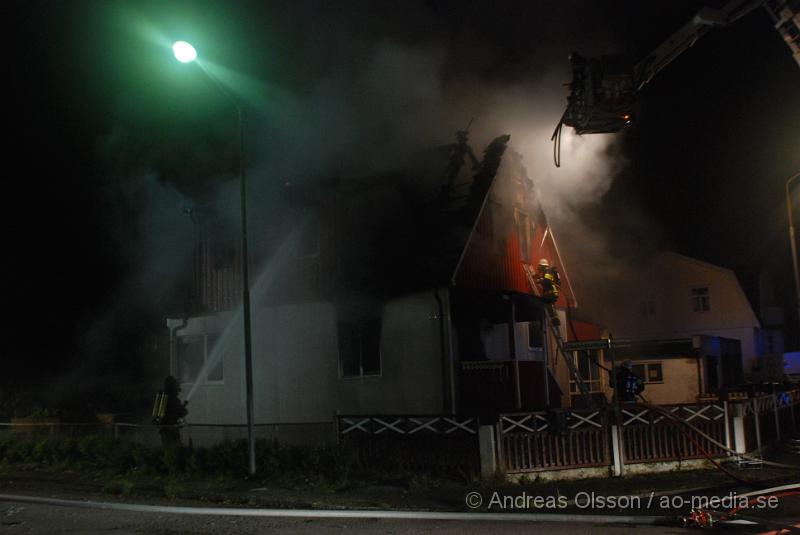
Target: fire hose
column 670, row 416
column 706, row 519
column 703, row 518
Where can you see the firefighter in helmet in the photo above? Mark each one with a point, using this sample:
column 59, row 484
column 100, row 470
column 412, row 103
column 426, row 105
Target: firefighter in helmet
column 549, row 282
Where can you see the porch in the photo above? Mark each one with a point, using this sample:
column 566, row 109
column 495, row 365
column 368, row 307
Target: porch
column 506, row 385
column 502, row 352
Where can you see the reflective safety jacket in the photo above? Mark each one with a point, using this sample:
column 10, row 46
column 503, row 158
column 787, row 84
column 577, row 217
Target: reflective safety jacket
column 549, row 281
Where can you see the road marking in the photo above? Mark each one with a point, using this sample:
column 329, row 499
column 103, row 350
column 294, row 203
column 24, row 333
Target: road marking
column 332, row 513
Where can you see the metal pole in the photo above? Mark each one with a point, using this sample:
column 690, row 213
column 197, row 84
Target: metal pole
column 248, row 347
column 248, row 344
column 512, row 350
column 793, row 244
column 617, row 416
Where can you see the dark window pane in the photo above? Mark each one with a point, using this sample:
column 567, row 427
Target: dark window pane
column 701, row 301
column 535, row 335
column 370, row 346
column 191, row 355
column 654, row 373
column 349, row 357
column 216, row 371
column 594, row 371
column 583, row 365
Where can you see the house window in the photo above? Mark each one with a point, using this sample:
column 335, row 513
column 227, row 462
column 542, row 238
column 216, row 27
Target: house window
column 535, row 335
column 650, row 372
column 191, row 356
column 588, row 370
column 194, row 356
column 359, row 346
column 701, row 300
column 647, row 307
column 214, row 368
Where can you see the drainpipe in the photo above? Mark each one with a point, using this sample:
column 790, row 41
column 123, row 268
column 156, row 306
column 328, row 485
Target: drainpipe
column 173, row 346
column 446, row 350
column 793, row 243
column 700, row 389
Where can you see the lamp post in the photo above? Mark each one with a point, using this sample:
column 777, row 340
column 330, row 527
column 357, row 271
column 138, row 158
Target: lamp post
column 793, row 243
column 185, row 53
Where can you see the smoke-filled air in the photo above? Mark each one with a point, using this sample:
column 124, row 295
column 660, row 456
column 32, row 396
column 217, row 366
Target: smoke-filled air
column 350, row 102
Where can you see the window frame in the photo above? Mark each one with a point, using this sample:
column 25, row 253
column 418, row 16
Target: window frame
column 204, row 339
column 360, row 323
column 701, row 299
column 647, row 306
column 541, row 335
column 221, row 361
column 646, row 364
column 596, row 386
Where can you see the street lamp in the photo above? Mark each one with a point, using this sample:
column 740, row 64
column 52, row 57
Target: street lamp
column 185, row 53
column 793, row 243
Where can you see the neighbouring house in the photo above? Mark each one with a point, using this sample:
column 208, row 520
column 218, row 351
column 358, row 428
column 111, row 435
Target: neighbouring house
column 679, row 370
column 771, row 314
column 674, row 297
column 410, row 293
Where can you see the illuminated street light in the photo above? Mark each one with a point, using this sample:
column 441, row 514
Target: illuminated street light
column 185, row 53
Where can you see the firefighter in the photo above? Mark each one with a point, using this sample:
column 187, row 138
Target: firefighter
column 627, row 384
column 169, row 412
column 549, row 282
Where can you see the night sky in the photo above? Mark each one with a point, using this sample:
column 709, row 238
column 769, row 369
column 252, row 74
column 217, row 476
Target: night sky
column 96, row 99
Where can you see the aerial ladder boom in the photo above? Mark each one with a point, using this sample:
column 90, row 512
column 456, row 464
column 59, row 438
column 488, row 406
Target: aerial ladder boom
column 604, row 91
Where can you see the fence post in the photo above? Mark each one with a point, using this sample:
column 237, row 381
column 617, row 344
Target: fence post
column 498, row 433
column 757, row 418
column 775, row 411
column 727, row 424
column 740, row 444
column 488, row 450
column 616, row 452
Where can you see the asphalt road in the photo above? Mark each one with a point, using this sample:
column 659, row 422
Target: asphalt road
column 37, row 518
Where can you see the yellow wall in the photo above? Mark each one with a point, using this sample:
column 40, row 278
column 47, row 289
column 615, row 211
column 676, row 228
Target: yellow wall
column 680, row 382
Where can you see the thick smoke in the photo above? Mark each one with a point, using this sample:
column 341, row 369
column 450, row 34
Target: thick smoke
column 358, row 98
column 401, row 103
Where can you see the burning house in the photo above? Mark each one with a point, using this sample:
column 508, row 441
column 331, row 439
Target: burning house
column 411, row 293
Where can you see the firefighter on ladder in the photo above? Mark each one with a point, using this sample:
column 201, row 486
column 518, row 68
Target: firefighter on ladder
column 549, row 282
